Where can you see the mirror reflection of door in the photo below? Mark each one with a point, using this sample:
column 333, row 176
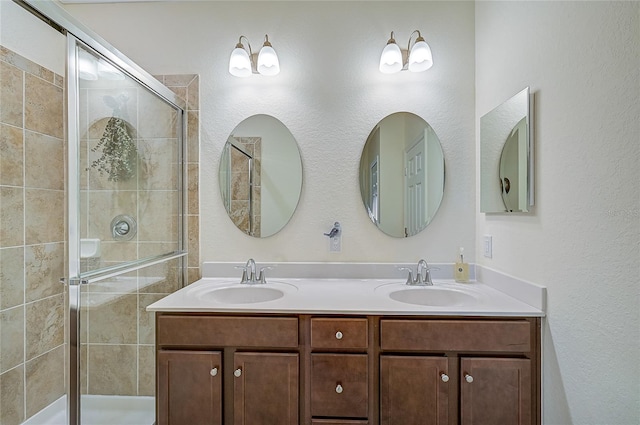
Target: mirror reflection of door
column 415, row 202
column 374, row 198
column 512, row 168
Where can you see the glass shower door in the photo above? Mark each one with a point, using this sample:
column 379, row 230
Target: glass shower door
column 125, row 235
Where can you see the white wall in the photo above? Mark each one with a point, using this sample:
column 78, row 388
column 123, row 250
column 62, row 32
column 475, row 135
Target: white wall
column 581, row 240
column 330, row 94
column 26, row 35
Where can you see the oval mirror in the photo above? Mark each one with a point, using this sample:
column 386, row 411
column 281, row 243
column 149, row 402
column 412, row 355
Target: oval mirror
column 260, row 175
column 402, row 174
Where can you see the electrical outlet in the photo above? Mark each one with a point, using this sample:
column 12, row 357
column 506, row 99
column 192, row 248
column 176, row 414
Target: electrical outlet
column 335, row 243
column 488, row 246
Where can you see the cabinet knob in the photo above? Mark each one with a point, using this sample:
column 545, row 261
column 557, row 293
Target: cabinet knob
column 339, row 389
column 237, row 373
column 339, row 335
column 468, row 378
column 444, row 377
column 214, row 371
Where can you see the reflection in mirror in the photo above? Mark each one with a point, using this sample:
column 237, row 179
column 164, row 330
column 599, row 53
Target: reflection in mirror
column 260, row 175
column 402, row 174
column 506, row 157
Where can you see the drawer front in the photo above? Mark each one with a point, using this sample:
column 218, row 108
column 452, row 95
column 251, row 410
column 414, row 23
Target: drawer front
column 339, row 333
column 339, row 422
column 339, row 385
column 456, row 335
column 194, row 331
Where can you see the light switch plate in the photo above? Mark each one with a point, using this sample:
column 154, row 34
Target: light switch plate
column 488, row 246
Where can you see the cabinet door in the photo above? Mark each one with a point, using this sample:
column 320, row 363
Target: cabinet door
column 339, row 385
column 414, row 390
column 265, row 389
column 495, row 391
column 189, row 387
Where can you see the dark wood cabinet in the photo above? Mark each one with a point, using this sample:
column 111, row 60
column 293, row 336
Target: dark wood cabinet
column 495, row 391
column 253, row 369
column 265, row 388
column 194, row 378
column 414, row 390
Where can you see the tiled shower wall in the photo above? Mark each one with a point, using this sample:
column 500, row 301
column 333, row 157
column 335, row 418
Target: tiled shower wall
column 32, row 237
column 117, row 333
column 241, row 188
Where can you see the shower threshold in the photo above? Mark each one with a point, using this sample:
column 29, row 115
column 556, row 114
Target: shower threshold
column 100, row 410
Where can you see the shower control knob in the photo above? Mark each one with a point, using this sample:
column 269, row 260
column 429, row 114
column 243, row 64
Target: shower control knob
column 339, row 335
column 468, row 378
column 444, row 377
column 214, row 371
column 237, row 373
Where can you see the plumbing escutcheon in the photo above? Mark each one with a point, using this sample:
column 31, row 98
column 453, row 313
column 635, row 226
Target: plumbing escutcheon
column 123, row 227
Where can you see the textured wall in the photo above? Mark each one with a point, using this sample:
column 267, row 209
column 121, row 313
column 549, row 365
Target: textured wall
column 330, row 94
column 582, row 61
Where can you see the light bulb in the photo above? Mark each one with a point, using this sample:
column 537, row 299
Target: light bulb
column 420, row 58
column 391, row 58
column 268, row 63
column 239, row 62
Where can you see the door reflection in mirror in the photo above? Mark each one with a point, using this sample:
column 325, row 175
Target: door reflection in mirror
column 402, row 174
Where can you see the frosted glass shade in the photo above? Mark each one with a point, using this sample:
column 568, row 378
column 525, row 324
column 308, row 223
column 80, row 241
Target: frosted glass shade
column 391, row 59
column 87, row 66
column 239, row 63
column 420, row 58
column 268, row 63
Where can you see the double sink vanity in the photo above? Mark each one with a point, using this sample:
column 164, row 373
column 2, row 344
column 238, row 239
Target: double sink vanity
column 325, row 349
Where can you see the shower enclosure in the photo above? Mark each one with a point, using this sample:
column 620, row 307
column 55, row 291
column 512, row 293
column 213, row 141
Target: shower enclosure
column 92, row 188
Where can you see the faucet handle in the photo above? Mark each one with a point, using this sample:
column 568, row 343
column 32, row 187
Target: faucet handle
column 244, row 278
column 410, row 277
column 262, row 277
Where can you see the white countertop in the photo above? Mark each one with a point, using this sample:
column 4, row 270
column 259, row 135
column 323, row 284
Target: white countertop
column 346, row 296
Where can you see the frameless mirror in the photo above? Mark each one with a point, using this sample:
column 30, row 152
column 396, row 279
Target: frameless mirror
column 506, row 156
column 260, row 175
column 402, row 174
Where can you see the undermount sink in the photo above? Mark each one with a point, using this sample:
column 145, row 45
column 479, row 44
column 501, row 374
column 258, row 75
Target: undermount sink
column 439, row 295
column 430, row 296
column 242, row 293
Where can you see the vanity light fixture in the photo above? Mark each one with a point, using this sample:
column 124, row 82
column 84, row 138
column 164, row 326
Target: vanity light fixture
column 243, row 63
column 416, row 58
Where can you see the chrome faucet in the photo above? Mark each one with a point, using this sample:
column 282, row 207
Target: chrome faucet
column 249, row 274
column 423, row 274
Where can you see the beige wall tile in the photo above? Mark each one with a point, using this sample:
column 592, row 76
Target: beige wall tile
column 44, row 380
column 146, row 370
column 239, row 214
column 158, row 168
column 193, row 94
column 44, row 211
column 193, row 195
column 11, row 277
column 156, row 119
column 44, row 161
column 12, row 148
column 99, row 111
column 194, row 275
column 11, row 338
column 157, row 210
column 11, row 94
column 12, row 397
column 166, row 276
column 193, row 136
column 178, row 80
column 113, row 318
column 104, row 206
column 11, row 216
column 45, row 325
column 112, row 369
column 194, row 241
column 181, row 92
column 44, row 266
column 43, row 107
column 25, row 64
column 146, row 319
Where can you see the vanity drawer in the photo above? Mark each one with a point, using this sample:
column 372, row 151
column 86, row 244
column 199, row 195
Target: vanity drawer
column 338, row 333
column 339, row 422
column 457, row 335
column 216, row 331
column 339, row 385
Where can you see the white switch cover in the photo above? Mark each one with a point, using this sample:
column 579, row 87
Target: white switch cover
column 335, row 243
column 488, row 246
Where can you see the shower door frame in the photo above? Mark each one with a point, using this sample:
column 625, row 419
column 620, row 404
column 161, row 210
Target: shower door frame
column 77, row 34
